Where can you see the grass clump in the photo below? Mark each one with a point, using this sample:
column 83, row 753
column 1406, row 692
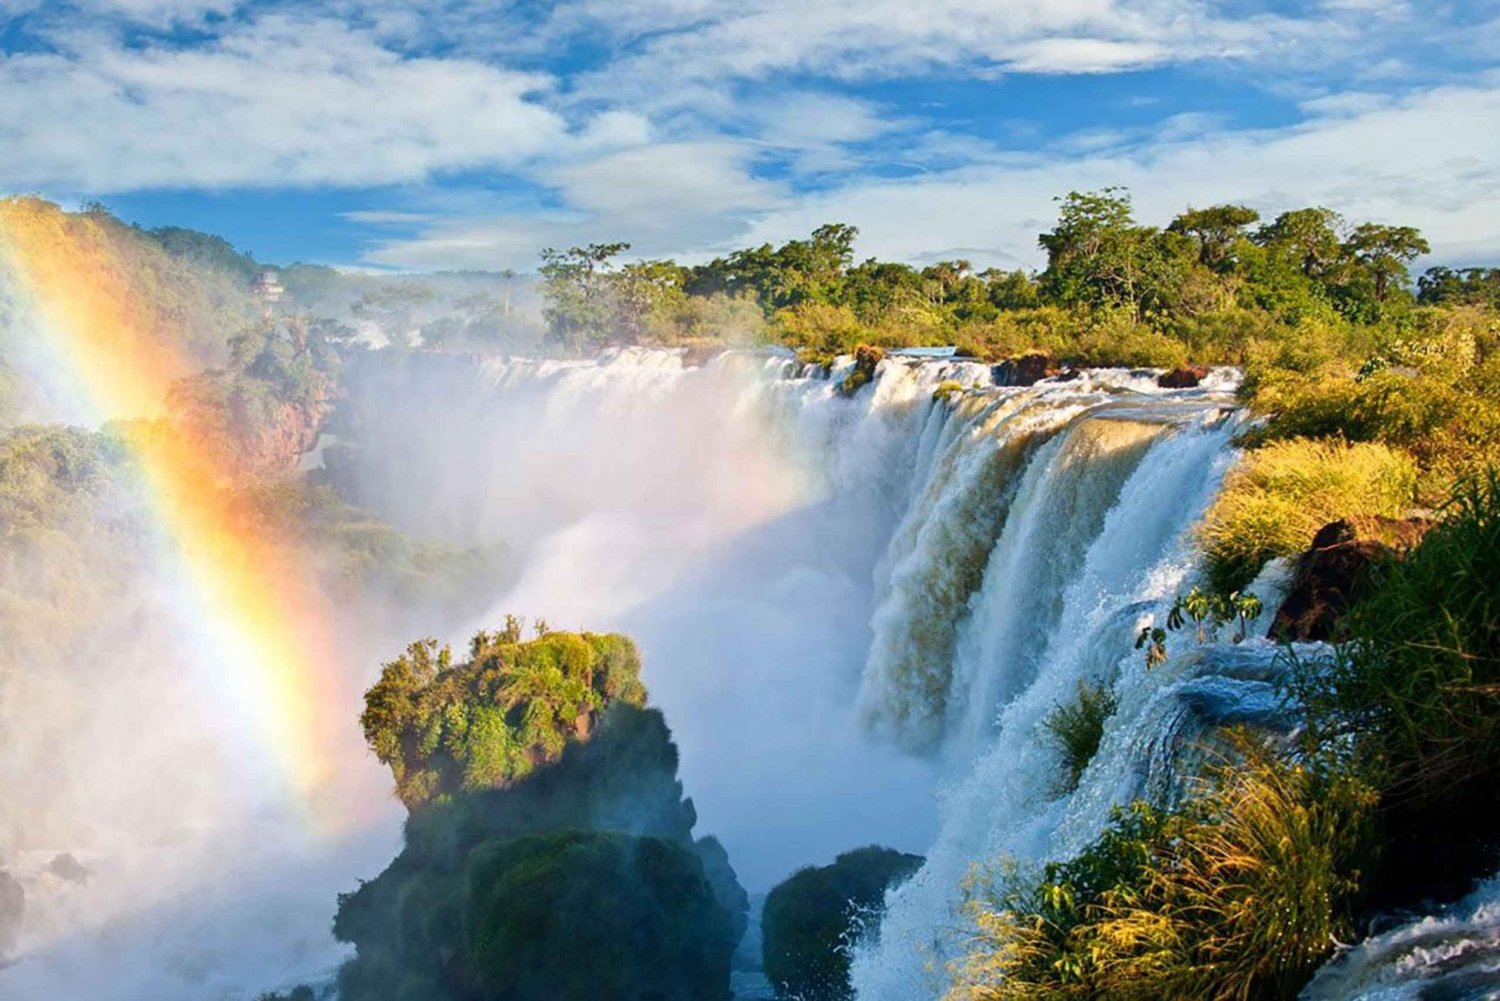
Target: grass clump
column 948, row 390
column 1076, row 728
column 1238, row 894
column 1281, row 494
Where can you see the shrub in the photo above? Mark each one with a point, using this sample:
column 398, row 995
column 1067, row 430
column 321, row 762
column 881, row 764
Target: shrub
column 812, row 918
column 1417, row 690
column 1239, row 894
column 1280, row 495
column 1077, row 727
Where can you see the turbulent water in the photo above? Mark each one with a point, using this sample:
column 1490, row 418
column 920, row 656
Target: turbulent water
column 855, row 613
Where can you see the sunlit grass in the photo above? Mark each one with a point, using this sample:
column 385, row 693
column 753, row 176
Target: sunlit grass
column 1280, row 495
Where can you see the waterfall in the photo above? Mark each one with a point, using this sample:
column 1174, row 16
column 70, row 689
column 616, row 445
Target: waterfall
column 845, row 603
column 1077, row 619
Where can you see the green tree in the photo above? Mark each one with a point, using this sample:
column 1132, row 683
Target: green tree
column 581, row 293
column 1309, row 237
column 1387, row 252
column 1216, row 230
column 1097, row 256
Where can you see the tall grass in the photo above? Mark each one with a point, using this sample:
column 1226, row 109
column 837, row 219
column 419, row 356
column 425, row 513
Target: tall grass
column 1241, row 894
column 1281, row 494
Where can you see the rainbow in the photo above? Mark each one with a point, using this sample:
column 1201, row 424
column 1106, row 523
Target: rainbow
column 262, row 634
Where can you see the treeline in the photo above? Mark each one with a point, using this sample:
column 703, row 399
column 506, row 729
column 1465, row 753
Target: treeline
column 1206, row 287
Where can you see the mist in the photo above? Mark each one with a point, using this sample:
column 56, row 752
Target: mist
column 727, row 518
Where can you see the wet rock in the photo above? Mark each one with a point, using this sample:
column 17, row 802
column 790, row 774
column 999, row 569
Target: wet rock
column 866, row 359
column 1025, row 370
column 1333, row 574
column 65, row 866
column 12, row 912
column 698, row 354
column 1186, row 377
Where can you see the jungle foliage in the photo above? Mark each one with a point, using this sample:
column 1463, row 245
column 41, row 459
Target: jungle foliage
column 1241, row 888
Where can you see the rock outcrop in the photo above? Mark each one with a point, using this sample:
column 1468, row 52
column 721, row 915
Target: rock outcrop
column 1186, row 377
column 1024, row 370
column 1331, row 576
column 65, row 866
column 12, row 912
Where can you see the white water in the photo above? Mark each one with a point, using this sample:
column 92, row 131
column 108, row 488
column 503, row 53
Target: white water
column 1138, row 558
column 1453, row 956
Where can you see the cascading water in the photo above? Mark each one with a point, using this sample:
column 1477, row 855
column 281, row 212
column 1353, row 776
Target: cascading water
column 1156, row 484
column 812, row 578
column 1450, row 956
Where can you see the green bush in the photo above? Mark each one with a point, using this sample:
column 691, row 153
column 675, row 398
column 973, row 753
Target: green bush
column 1077, row 727
column 1417, row 690
column 580, row 916
column 445, row 728
column 811, row 919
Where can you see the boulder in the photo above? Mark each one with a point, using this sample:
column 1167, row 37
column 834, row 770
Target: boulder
column 1025, row 370
column 1334, row 572
column 12, row 911
column 1186, row 377
column 866, row 359
column 65, row 866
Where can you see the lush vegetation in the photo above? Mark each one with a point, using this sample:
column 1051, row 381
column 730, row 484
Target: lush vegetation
column 1076, row 728
column 1216, row 284
column 1240, row 893
column 1412, row 699
column 1280, row 495
column 445, row 728
column 1242, row 888
column 549, row 852
column 813, row 918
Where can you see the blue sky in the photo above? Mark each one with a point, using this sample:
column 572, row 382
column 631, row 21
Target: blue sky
column 462, row 134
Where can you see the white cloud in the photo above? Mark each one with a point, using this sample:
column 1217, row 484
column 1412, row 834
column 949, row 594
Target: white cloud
column 758, row 39
column 283, row 101
column 1428, row 159
column 661, row 198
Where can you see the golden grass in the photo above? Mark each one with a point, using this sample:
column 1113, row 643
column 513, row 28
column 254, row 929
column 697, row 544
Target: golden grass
column 1281, row 494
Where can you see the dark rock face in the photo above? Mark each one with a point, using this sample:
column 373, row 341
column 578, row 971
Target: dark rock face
column 1331, row 575
column 65, row 866
column 1187, row 377
column 1026, row 370
column 12, row 911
